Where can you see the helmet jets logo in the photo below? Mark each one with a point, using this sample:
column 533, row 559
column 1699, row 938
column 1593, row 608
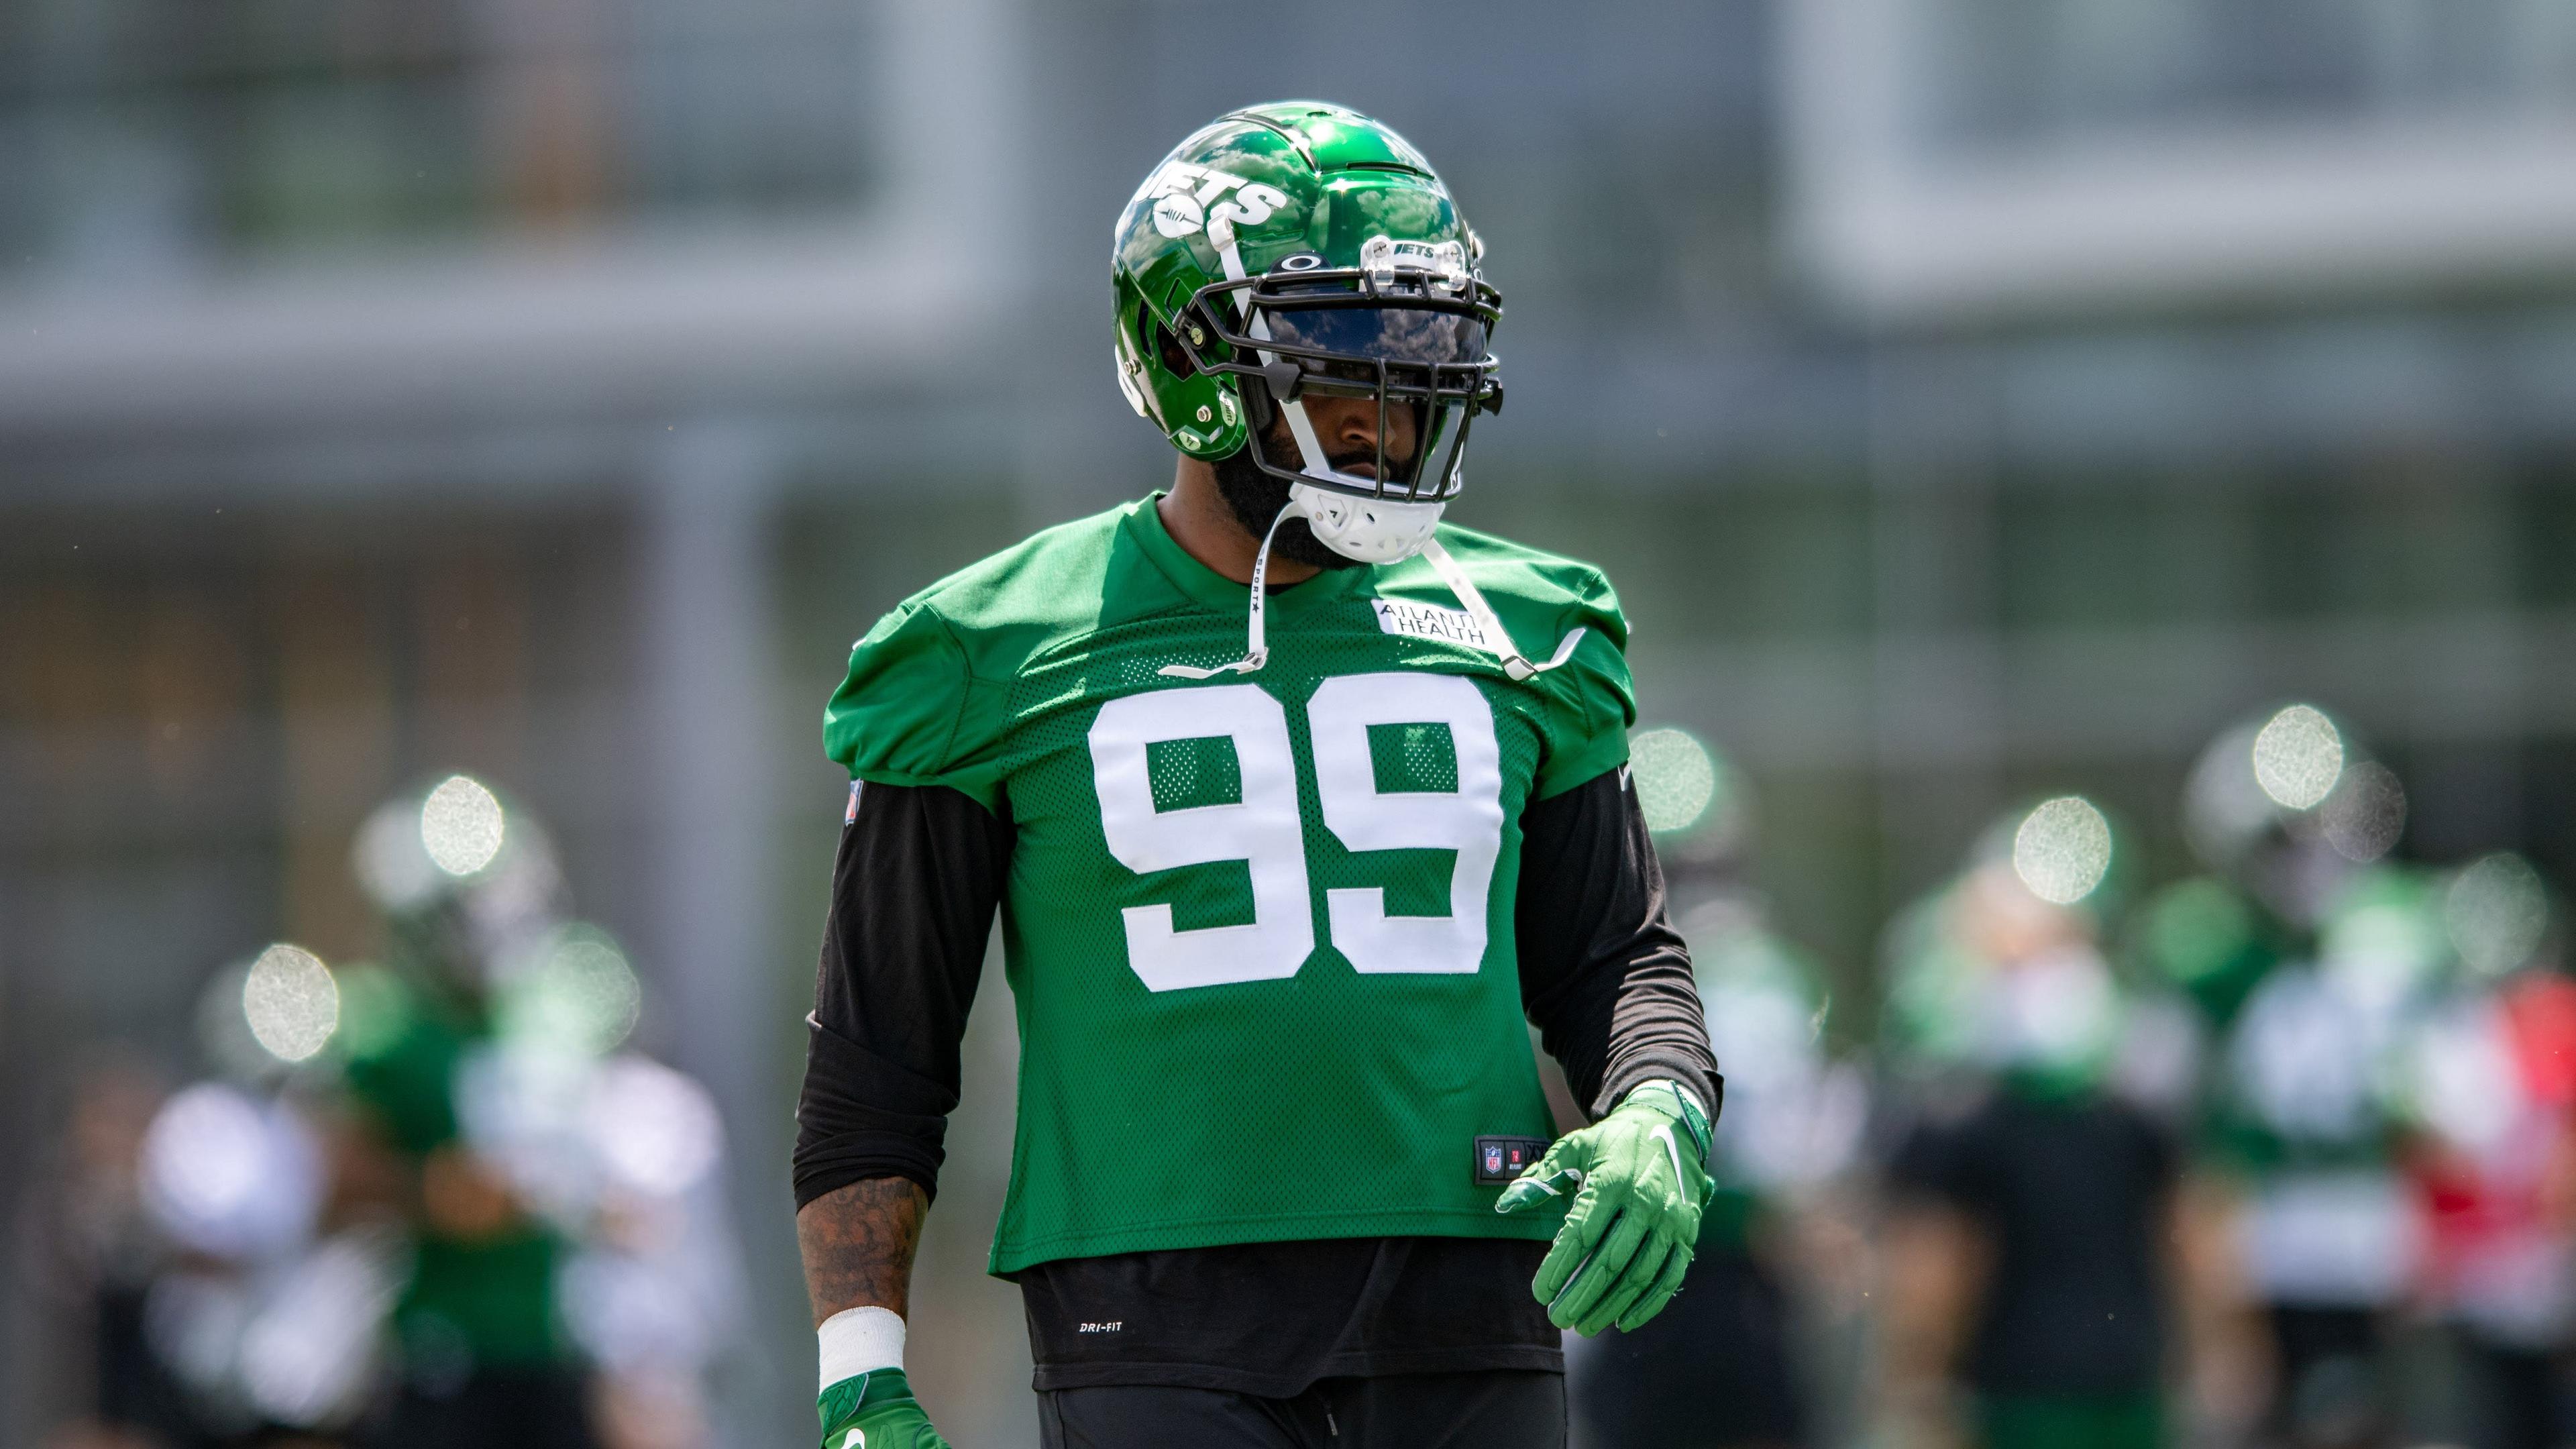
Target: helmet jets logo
column 1185, row 199
column 1444, row 266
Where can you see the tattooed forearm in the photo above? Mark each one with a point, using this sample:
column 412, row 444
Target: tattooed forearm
column 858, row 1243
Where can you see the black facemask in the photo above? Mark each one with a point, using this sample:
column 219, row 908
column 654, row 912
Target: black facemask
column 1256, row 497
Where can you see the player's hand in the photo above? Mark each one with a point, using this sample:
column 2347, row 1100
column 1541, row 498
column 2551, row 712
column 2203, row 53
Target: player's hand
column 875, row 1411
column 1638, row 1178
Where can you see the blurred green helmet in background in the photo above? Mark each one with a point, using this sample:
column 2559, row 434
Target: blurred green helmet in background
column 464, row 876
column 1297, row 249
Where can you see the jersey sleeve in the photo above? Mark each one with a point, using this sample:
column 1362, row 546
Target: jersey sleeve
column 910, row 711
column 1592, row 699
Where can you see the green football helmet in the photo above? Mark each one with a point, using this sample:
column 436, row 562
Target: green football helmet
column 1302, row 249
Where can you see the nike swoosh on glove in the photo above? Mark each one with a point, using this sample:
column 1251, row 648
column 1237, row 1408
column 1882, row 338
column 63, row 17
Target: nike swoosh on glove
column 875, row 1411
column 1638, row 1179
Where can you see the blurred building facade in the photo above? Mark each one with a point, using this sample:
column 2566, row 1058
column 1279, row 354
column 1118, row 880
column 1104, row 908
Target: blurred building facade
column 1970, row 398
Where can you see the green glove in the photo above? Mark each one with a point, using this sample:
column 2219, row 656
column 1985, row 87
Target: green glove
column 875, row 1411
column 1628, row 1236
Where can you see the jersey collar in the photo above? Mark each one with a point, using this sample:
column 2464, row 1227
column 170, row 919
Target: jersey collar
column 1213, row 590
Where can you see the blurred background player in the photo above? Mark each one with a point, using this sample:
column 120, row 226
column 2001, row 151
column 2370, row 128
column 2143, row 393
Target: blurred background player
column 2031, row 1228
column 424, row 1203
column 571, row 1273
column 2322, row 968
column 481, row 1343
column 1732, row 1361
column 2487, row 1083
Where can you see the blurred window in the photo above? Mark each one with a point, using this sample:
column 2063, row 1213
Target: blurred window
column 2545, row 535
column 2007, row 72
column 137, row 134
column 2430, row 538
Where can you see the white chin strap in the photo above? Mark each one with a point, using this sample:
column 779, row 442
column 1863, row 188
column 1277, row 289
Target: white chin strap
column 1515, row 664
column 1257, row 645
column 1374, row 531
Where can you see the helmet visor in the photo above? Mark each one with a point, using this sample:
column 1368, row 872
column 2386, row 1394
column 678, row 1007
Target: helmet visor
column 1413, row 343
column 1429, row 365
column 1387, row 335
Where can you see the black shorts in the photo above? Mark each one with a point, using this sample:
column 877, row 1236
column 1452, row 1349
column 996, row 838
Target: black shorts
column 540, row 1408
column 1715, row 1368
column 1489, row 1409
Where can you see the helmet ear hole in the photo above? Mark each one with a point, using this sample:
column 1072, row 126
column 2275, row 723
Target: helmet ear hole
column 1167, row 348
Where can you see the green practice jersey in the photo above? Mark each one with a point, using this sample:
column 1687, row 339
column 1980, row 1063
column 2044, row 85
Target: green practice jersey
column 1259, row 927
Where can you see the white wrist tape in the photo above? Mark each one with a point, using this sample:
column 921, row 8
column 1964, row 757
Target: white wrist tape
column 859, row 1341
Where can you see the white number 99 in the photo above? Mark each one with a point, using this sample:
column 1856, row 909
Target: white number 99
column 1262, row 827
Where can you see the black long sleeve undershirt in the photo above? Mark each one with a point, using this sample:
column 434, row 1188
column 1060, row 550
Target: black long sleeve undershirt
column 1604, row 976
column 914, row 889
column 920, row 874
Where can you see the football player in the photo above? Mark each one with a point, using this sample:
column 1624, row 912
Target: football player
column 1294, row 801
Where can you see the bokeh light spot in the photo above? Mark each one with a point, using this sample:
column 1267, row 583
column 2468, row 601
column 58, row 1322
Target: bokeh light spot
column 291, row 1002
column 2062, row 850
column 655, row 1129
column 2497, row 910
column 202, row 1156
column 224, row 1173
column 461, row 826
column 2298, row 757
column 2198, row 929
column 1675, row 776
column 579, row 995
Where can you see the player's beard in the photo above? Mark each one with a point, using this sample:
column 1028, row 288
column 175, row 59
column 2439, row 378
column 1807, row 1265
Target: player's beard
column 1256, row 498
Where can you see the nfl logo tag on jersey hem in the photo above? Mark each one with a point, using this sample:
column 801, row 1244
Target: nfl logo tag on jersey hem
column 1431, row 621
column 1501, row 1159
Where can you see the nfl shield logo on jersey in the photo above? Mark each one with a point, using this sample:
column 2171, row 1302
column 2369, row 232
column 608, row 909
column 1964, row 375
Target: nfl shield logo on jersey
column 1493, row 1159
